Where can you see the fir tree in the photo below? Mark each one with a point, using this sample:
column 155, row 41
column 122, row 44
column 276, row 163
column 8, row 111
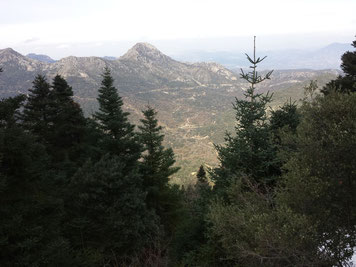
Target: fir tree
column 157, row 167
column 250, row 151
column 108, row 221
column 67, row 120
column 37, row 112
column 30, row 214
column 191, row 235
column 118, row 133
column 9, row 111
column 201, row 175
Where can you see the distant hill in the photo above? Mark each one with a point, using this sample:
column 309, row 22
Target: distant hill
column 193, row 100
column 109, row 58
column 42, row 58
column 324, row 58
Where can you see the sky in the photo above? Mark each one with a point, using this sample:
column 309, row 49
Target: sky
column 61, row 28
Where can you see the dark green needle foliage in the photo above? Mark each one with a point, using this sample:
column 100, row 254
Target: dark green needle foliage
column 190, row 243
column 118, row 133
column 286, row 116
column 9, row 111
column 108, row 220
column 37, row 112
column 157, row 167
column 67, row 123
column 250, row 151
column 30, row 214
column 346, row 83
column 201, row 175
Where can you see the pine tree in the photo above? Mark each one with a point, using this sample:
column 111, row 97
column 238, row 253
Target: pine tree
column 118, row 133
column 67, row 120
column 37, row 109
column 191, row 235
column 201, row 175
column 30, row 214
column 250, row 152
column 157, row 167
column 9, row 111
column 346, row 83
column 108, row 221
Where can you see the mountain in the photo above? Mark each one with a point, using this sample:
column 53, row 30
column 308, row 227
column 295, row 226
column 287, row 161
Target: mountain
column 42, row 58
column 18, row 72
column 193, row 100
column 109, row 58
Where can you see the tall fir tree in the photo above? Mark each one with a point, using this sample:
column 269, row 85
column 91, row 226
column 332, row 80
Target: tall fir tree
column 37, row 114
column 250, row 151
column 67, row 120
column 157, row 167
column 118, row 133
column 30, row 214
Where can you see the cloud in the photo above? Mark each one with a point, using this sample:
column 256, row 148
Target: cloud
column 63, row 46
column 31, row 40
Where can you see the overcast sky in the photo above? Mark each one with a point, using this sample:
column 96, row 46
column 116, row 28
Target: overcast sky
column 87, row 27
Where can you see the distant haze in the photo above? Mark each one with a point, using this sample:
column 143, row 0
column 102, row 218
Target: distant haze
column 108, row 28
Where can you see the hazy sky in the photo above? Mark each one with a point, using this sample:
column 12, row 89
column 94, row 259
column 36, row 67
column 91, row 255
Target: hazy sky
column 86, row 27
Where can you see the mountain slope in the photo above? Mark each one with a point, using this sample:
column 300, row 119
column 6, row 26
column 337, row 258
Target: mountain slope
column 194, row 101
column 19, row 72
column 42, row 58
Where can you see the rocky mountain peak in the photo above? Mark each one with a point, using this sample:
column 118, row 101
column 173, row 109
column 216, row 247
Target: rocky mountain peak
column 144, row 52
column 10, row 58
column 9, row 51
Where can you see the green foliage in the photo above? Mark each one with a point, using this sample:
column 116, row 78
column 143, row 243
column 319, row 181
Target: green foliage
column 309, row 220
column 201, row 175
column 346, row 83
column 118, row 133
column 51, row 114
column 190, row 242
column 68, row 126
column 250, row 151
column 30, row 214
column 107, row 212
column 36, row 114
column 9, row 111
column 320, row 180
column 156, row 168
column 283, row 125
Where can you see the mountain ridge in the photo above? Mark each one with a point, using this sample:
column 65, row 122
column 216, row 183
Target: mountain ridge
column 41, row 57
